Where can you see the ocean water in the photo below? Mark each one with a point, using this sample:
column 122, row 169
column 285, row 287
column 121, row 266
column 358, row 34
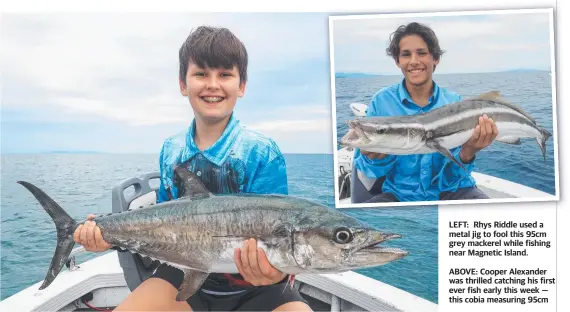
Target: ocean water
column 532, row 91
column 82, row 184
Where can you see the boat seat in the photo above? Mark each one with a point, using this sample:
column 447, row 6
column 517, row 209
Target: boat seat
column 136, row 269
column 364, row 188
column 344, row 183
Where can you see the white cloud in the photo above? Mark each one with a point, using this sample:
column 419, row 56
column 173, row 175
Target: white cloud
column 125, row 112
column 472, row 43
column 298, row 136
column 292, row 125
column 125, row 65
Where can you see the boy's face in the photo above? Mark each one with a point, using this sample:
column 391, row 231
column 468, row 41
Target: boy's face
column 212, row 92
column 415, row 60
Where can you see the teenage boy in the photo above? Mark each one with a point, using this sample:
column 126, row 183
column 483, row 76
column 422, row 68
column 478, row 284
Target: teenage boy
column 388, row 178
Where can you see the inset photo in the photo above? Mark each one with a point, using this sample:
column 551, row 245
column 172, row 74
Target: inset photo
column 444, row 108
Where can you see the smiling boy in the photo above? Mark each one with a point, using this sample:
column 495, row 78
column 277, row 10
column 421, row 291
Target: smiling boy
column 387, row 178
column 228, row 158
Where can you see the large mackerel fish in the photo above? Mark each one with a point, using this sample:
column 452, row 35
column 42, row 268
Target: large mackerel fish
column 444, row 128
column 199, row 232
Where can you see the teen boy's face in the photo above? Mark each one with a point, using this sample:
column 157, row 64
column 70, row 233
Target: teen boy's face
column 213, row 92
column 415, row 60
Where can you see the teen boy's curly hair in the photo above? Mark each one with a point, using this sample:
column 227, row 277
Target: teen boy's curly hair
column 427, row 34
column 215, row 48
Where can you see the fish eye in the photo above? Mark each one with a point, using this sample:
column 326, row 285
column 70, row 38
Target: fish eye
column 381, row 130
column 343, row 235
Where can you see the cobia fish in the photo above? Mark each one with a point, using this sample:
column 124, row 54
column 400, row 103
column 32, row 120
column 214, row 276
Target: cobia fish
column 444, row 128
column 199, row 232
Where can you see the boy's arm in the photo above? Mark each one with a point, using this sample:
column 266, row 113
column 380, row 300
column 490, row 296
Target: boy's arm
column 162, row 192
column 373, row 167
column 271, row 178
column 450, row 173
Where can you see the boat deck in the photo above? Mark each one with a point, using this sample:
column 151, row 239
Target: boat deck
column 495, row 188
column 103, row 278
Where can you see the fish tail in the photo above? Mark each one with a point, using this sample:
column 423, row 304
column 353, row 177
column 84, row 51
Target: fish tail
column 545, row 135
column 65, row 226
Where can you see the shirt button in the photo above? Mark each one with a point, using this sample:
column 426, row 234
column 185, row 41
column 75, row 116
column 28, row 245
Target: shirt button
column 198, row 173
column 199, row 156
column 424, row 171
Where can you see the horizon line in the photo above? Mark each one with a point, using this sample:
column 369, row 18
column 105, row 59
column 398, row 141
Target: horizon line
column 445, row 73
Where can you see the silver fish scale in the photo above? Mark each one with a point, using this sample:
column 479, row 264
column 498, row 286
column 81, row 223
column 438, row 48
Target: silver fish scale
column 193, row 232
column 506, row 114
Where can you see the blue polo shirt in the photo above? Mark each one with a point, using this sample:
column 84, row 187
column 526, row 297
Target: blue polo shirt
column 414, row 177
column 240, row 161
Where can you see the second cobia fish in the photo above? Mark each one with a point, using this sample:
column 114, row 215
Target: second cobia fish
column 198, row 234
column 444, row 128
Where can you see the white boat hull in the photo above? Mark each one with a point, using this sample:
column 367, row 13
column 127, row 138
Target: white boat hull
column 495, row 188
column 103, row 277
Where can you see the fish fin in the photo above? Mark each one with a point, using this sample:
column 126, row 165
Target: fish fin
column 491, row 95
column 542, row 141
column 496, row 96
column 65, row 226
column 444, row 151
column 290, row 283
column 193, row 280
column 509, row 140
column 189, row 184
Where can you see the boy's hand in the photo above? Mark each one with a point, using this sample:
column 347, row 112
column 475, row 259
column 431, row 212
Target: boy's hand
column 253, row 265
column 372, row 155
column 485, row 133
column 89, row 235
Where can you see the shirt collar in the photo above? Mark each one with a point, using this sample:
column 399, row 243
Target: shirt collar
column 406, row 99
column 219, row 151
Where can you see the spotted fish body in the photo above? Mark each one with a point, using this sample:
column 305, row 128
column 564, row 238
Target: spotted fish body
column 198, row 234
column 443, row 128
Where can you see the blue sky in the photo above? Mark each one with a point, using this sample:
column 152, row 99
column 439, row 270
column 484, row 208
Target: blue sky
column 473, row 43
column 108, row 81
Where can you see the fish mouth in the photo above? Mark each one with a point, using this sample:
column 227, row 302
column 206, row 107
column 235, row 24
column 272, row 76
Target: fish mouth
column 355, row 134
column 349, row 138
column 374, row 248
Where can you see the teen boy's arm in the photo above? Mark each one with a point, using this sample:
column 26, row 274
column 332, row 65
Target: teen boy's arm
column 269, row 178
column 374, row 165
column 451, row 174
column 162, row 192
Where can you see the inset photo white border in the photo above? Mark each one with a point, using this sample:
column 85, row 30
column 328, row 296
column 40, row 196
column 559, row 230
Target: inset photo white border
column 476, row 45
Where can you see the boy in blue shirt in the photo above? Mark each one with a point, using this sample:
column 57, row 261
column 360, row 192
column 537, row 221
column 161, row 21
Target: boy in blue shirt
column 228, row 158
column 388, row 178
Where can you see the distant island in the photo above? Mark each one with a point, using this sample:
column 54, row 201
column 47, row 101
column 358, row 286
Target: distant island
column 366, row 75
column 74, row 152
column 524, row 70
column 354, row 75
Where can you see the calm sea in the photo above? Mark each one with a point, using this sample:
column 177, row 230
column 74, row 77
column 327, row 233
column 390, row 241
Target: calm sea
column 523, row 164
column 82, row 184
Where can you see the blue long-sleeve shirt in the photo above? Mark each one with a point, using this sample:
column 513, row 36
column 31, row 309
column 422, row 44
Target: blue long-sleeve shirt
column 414, row 177
column 240, row 161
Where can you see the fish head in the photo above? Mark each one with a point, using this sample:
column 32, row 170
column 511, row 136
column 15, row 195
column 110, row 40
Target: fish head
column 341, row 243
column 381, row 134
